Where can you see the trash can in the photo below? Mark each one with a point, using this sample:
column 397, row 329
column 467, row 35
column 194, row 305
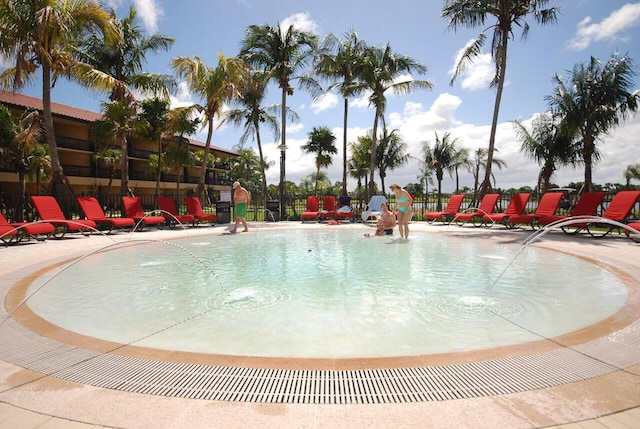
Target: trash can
column 223, row 211
column 272, row 212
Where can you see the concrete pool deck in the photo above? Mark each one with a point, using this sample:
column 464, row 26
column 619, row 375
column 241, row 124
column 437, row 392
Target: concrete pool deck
column 29, row 400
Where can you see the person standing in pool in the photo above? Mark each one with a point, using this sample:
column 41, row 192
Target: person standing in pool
column 403, row 203
column 241, row 199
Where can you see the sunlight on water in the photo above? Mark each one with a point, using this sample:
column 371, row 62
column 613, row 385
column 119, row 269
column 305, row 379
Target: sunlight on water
column 327, row 293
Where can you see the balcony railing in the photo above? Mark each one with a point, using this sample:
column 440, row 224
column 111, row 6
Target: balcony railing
column 71, row 143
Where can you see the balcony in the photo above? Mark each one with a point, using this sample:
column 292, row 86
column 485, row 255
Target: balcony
column 77, row 144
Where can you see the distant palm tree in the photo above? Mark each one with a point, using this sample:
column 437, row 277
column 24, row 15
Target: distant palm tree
column 282, row 54
column 630, row 173
column 391, row 153
column 480, row 160
column 251, row 114
column 41, row 34
column 321, row 143
column 441, row 158
column 597, row 98
column 155, row 112
column 548, row 145
column 215, row 87
column 508, row 14
column 461, row 160
column 380, row 70
column 109, row 157
column 341, row 61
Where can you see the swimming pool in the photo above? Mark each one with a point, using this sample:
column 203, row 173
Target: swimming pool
column 326, row 293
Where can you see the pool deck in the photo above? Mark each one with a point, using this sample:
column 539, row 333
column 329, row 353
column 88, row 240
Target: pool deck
column 31, row 400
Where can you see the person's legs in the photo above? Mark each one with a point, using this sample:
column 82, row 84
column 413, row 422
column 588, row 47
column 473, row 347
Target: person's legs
column 244, row 223
column 235, row 228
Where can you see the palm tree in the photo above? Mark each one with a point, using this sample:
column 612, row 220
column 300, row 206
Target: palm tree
column 391, row 153
column 282, row 54
column 548, row 145
column 322, row 143
column 440, row 159
column 155, row 113
column 508, row 14
column 118, row 66
column 342, row 61
column 41, row 34
column 359, row 163
column 461, row 160
column 596, row 100
column 110, row 158
column 120, row 123
column 215, row 87
column 252, row 113
column 480, row 160
column 631, row 172
column 19, row 140
column 38, row 166
column 380, row 69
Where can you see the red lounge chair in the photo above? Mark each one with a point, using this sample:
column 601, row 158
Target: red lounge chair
column 93, row 211
column 453, row 207
column 618, row 210
column 516, row 207
column 133, row 209
column 7, row 233
column 39, row 230
column 49, row 211
column 194, row 208
column 171, row 215
column 313, row 209
column 586, row 206
column 487, row 205
column 328, row 208
column 635, row 236
column 546, row 207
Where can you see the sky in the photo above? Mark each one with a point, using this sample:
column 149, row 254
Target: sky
column 585, row 28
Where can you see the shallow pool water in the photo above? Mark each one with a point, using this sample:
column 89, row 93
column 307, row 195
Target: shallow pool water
column 326, row 293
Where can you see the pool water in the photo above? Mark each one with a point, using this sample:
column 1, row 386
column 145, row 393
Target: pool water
column 327, row 293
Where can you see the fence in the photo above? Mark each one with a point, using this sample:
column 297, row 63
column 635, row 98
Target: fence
column 10, row 205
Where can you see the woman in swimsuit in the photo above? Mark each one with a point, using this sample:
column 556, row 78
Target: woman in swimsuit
column 403, row 200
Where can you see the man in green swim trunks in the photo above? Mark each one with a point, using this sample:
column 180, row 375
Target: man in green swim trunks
column 241, row 199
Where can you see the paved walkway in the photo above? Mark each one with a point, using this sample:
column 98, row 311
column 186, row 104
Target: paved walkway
column 30, row 400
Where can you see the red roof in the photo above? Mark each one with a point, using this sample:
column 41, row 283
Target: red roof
column 57, row 109
column 21, row 100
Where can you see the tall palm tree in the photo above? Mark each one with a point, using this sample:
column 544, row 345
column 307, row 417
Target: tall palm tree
column 391, row 153
column 441, row 158
column 380, row 69
column 360, row 162
column 282, row 54
column 19, row 140
column 117, row 66
column 321, row 143
column 109, row 157
column 341, row 61
column 597, row 98
column 251, row 114
column 508, row 14
column 480, row 160
column 41, row 34
column 548, row 145
column 215, row 87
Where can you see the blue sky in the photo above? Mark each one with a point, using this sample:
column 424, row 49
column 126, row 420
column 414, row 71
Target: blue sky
column 585, row 28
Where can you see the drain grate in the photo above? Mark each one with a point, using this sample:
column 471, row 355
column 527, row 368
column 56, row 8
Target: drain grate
column 24, row 348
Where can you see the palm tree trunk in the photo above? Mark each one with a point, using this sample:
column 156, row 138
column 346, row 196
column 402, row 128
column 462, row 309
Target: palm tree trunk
column 205, row 162
column 587, row 157
column 262, row 170
column 283, row 142
column 124, row 168
column 374, row 144
column 486, row 183
column 344, row 146
column 159, row 169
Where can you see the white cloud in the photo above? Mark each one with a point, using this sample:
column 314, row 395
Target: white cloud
column 149, row 11
column 300, row 21
column 326, row 101
column 476, row 75
column 609, row 29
